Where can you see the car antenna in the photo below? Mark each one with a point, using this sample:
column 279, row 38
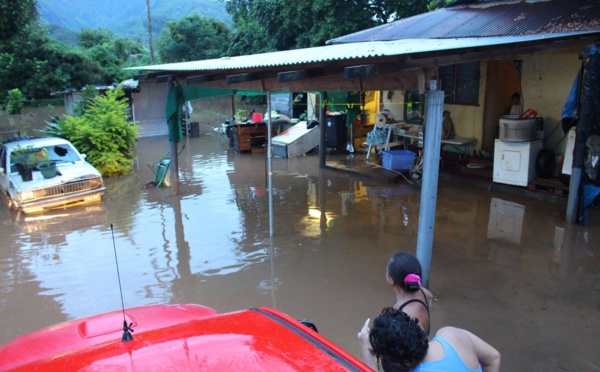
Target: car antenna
column 126, row 328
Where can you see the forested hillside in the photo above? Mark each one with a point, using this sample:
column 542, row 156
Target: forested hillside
column 126, row 18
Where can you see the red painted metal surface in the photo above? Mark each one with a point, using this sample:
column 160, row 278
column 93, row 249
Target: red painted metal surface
column 178, row 337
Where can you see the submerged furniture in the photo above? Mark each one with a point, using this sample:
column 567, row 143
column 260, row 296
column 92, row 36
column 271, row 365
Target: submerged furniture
column 251, row 135
column 295, row 141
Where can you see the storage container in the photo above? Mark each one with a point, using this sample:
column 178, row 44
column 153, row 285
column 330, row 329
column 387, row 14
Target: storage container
column 517, row 130
column 336, row 132
column 397, row 159
column 257, row 117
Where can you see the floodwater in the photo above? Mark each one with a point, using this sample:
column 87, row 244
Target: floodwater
column 505, row 267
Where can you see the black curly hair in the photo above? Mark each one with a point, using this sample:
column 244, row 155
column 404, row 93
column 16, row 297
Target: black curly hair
column 397, row 340
column 400, row 265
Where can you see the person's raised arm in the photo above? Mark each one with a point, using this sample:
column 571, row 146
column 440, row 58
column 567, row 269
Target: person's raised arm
column 489, row 358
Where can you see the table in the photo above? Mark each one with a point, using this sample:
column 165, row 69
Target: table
column 462, row 145
column 247, row 136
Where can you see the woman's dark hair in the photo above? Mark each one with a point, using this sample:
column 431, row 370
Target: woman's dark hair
column 402, row 264
column 397, row 340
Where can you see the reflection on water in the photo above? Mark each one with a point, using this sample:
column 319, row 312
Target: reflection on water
column 506, row 221
column 496, row 259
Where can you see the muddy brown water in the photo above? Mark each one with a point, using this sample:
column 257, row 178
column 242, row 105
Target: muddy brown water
column 505, row 267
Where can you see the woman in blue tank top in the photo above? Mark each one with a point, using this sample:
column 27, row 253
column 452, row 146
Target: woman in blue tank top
column 399, row 344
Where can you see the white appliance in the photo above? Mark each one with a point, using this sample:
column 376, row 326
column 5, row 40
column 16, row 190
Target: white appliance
column 514, row 162
column 295, row 141
column 568, row 162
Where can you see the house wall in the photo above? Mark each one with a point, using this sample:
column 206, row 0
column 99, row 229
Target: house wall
column 149, row 108
column 468, row 120
column 545, row 84
column 547, row 81
column 393, row 100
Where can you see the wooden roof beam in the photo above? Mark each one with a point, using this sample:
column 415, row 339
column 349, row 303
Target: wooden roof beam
column 200, row 79
column 352, row 72
column 241, row 78
column 287, row 76
column 164, row 78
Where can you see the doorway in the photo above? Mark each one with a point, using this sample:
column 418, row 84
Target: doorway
column 503, row 79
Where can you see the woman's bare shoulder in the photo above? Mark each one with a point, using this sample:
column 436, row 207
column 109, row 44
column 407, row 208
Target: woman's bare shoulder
column 452, row 334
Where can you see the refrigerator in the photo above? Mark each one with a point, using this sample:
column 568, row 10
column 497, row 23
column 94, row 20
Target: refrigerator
column 515, row 162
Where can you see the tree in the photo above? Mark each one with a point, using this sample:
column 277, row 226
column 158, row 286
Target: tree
column 193, row 38
column 150, row 33
column 89, row 38
column 39, row 66
column 109, row 52
column 271, row 25
column 14, row 15
column 266, row 25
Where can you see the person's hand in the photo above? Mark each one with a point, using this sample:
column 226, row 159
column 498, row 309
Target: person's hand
column 363, row 335
column 365, row 345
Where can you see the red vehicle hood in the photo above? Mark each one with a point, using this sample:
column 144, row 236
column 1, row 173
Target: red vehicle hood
column 178, row 337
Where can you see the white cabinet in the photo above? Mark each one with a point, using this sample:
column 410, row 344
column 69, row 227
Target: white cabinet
column 514, row 162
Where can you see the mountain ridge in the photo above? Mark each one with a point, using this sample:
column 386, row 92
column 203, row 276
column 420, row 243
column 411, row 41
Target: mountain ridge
column 125, row 18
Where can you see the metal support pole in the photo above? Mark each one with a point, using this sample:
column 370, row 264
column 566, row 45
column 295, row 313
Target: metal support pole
column 431, row 168
column 174, row 165
column 269, row 164
column 322, row 129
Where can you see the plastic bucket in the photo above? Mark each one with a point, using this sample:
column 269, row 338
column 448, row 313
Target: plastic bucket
column 257, row 117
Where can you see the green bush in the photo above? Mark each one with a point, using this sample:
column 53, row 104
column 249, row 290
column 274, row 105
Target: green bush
column 102, row 132
column 15, row 101
column 88, row 93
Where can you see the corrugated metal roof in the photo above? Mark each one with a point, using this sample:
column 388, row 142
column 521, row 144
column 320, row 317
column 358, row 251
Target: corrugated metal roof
column 485, row 18
column 347, row 51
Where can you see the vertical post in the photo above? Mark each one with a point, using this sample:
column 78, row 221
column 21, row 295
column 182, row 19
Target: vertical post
column 233, row 105
column 174, row 165
column 322, row 129
column 431, row 169
column 269, row 164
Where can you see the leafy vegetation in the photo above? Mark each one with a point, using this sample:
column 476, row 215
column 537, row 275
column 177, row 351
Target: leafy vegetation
column 24, row 157
column 38, row 65
column 15, row 101
column 87, row 95
column 266, row 25
column 193, row 38
column 102, row 132
column 14, row 14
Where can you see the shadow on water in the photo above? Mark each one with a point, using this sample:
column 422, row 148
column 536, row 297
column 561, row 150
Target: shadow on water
column 505, row 267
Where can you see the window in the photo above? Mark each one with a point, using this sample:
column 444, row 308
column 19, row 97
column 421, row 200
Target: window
column 461, row 83
column 413, row 107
